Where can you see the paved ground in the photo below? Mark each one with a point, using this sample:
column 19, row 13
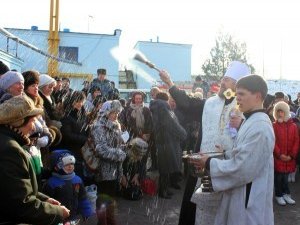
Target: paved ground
column 157, row 211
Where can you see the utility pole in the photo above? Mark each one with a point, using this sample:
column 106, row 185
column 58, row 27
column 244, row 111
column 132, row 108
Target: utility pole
column 53, row 38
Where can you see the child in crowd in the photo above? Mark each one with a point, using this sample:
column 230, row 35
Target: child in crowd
column 66, row 186
column 285, row 152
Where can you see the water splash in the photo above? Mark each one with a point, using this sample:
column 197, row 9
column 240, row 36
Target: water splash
column 125, row 58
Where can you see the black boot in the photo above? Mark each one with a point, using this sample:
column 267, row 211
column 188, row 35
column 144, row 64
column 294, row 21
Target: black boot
column 163, row 187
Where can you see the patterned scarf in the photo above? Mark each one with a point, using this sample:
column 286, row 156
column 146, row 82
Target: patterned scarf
column 137, row 114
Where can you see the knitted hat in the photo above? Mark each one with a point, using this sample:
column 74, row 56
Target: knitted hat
column 110, row 106
column 30, row 77
column 281, row 105
column 237, row 70
column 45, row 79
column 3, row 68
column 14, row 111
column 61, row 158
column 10, row 78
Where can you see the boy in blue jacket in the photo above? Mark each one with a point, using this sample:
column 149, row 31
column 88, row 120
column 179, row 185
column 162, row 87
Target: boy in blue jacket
column 66, row 186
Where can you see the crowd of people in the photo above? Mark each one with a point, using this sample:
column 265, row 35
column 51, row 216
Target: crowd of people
column 55, row 141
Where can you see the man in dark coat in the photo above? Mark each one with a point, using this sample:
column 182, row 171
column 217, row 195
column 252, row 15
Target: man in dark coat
column 20, row 200
column 104, row 84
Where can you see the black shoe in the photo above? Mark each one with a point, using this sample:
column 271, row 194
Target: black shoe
column 176, row 186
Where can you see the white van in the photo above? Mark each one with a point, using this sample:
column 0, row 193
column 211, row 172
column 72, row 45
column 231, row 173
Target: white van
column 126, row 94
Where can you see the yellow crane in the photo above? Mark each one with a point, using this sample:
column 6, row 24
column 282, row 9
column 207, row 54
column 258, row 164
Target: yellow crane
column 53, row 45
column 53, row 39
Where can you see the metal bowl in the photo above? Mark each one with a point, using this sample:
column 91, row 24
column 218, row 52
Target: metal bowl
column 200, row 173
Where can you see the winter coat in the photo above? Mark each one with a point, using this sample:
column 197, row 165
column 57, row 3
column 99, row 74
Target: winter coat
column 20, row 200
column 168, row 135
column 108, row 141
column 74, row 133
column 287, row 142
column 246, row 179
column 191, row 106
column 70, row 193
column 52, row 115
column 50, row 110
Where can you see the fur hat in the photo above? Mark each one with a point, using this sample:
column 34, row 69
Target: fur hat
column 30, row 77
column 10, row 78
column 237, row 70
column 45, row 79
column 56, row 134
column 14, row 111
column 110, row 106
column 61, row 158
column 281, row 105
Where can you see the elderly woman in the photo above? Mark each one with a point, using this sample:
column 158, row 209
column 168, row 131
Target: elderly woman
column 46, row 86
column 106, row 134
column 20, row 200
column 137, row 117
column 137, row 120
column 11, row 84
column 42, row 134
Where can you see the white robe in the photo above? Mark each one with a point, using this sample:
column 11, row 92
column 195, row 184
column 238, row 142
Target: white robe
column 215, row 117
column 251, row 160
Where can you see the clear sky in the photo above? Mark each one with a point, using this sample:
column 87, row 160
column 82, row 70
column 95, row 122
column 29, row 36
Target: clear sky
column 271, row 29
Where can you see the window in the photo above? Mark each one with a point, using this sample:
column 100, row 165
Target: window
column 69, row 53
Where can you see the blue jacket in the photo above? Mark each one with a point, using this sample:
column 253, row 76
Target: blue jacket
column 71, row 193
